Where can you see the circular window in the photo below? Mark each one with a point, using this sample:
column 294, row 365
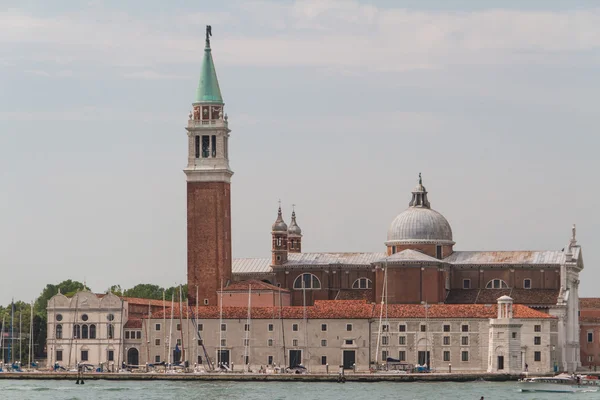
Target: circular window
column 84, row 317
column 59, row 317
column 110, row 317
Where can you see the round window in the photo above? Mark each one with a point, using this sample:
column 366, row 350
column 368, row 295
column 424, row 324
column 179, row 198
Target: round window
column 59, row 317
column 110, row 317
column 84, row 317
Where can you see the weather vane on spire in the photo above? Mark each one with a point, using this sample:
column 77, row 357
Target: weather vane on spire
column 208, row 35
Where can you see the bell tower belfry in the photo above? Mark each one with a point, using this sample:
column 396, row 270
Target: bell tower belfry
column 208, row 177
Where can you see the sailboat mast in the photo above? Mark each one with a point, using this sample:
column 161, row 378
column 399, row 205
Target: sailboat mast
column 181, row 323
column 164, row 326
column 20, row 335
column 196, row 327
column 247, row 329
column 383, row 294
column 282, row 329
column 2, row 341
column 220, row 326
column 306, row 356
column 31, row 337
column 171, row 327
column 11, row 349
column 148, row 333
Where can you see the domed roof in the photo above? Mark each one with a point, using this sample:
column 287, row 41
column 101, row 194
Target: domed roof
column 279, row 225
column 419, row 223
column 294, row 229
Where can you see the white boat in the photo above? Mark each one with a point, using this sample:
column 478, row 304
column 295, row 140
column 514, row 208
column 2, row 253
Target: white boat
column 562, row 383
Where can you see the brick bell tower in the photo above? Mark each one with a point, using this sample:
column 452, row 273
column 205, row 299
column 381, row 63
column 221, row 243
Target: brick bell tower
column 208, row 177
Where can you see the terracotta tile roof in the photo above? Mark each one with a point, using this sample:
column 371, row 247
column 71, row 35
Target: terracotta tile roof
column 353, row 294
column 445, row 311
column 589, row 302
column 255, row 285
column 354, row 309
column 133, row 324
column 490, row 296
column 308, row 259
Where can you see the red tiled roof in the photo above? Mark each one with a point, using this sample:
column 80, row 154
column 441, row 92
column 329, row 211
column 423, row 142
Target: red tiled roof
column 133, row 323
column 589, row 302
column 490, row 296
column 355, row 309
column 254, row 285
column 443, row 311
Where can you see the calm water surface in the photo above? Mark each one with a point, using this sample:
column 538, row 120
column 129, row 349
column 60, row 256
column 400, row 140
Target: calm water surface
column 270, row 390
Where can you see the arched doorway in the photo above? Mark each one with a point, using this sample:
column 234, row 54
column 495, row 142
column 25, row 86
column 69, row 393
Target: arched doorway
column 133, row 356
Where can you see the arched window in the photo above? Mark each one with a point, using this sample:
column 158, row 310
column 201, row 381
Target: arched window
column 92, row 331
column 496, row 284
column 76, row 332
column 111, row 331
column 527, row 283
column 307, row 281
column 58, row 331
column 362, row 283
column 84, row 331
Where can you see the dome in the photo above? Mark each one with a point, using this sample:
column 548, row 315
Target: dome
column 294, row 229
column 420, row 224
column 279, row 225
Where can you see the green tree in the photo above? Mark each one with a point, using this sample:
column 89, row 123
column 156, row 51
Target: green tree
column 116, row 290
column 145, row 291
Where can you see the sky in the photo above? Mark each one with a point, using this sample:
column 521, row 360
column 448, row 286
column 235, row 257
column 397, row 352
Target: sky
column 334, row 106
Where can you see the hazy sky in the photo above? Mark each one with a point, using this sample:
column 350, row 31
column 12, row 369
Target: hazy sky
column 335, row 106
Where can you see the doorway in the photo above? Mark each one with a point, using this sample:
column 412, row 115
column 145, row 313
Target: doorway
column 223, row 357
column 500, row 363
column 423, row 358
column 349, row 359
column 133, row 356
column 295, row 358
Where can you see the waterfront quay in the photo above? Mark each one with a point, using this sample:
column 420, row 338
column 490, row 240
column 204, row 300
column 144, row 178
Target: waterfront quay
column 248, row 377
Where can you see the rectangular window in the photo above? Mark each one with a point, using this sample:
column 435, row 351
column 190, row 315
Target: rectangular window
column 200, row 327
column 466, row 284
column 464, row 356
column 200, row 342
column 178, row 342
column 226, row 148
column 197, row 146
column 156, row 359
column 537, row 340
column 157, row 327
column 401, row 328
column 323, row 343
column 590, row 358
column 323, row 327
column 446, row 340
column 402, row 340
column 157, row 342
column 464, row 328
column 438, row 252
column 349, row 342
column 246, row 342
column 590, row 337
column 295, row 342
column 58, row 355
column 323, row 360
column 349, row 327
column 223, row 327
column 178, row 327
column 393, row 249
column 84, row 355
column 269, row 360
column 270, row 342
column 423, row 328
column 295, row 327
column 111, row 355
column 223, row 342
column 446, row 355
column 514, row 335
column 527, row 284
column 464, row 340
column 213, row 148
column 384, row 355
column 138, row 335
column 205, row 146
column 384, row 340
column 537, row 328
column 126, row 334
column 537, row 356
column 385, row 328
column 446, row 328
column 270, row 328
column 246, row 327
column 402, row 355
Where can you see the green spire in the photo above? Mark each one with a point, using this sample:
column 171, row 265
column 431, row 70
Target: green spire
column 208, row 87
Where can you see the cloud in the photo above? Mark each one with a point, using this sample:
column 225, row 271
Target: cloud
column 313, row 33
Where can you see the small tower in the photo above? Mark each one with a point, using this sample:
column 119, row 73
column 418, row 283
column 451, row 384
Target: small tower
column 504, row 347
column 294, row 236
column 208, row 177
column 279, row 233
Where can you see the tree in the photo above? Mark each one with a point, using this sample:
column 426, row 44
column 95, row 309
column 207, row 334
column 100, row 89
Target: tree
column 116, row 290
column 145, row 291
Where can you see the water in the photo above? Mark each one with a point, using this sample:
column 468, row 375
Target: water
column 162, row 390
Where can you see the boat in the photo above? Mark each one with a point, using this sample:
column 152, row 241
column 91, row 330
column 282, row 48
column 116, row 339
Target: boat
column 562, row 383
